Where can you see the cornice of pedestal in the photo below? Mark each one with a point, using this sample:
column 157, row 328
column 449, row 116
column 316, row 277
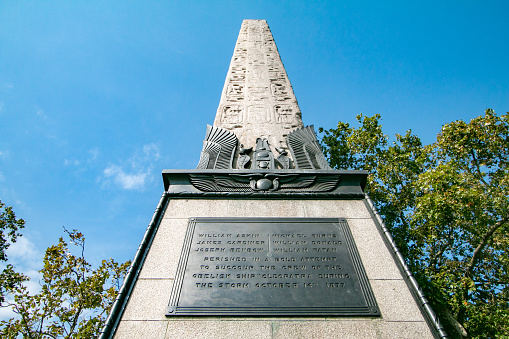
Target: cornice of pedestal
column 262, row 184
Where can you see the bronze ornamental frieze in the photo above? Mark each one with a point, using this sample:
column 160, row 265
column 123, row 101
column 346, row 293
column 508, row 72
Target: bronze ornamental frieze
column 270, row 266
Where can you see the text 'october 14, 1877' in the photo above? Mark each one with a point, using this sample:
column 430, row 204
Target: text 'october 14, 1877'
column 270, row 266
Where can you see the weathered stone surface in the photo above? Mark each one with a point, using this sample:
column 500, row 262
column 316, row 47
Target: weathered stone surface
column 395, row 301
column 375, row 255
column 257, row 98
column 149, row 300
column 330, row 329
column 404, row 330
column 163, row 259
column 128, row 329
column 351, row 209
column 184, row 208
column 152, row 293
column 227, row 329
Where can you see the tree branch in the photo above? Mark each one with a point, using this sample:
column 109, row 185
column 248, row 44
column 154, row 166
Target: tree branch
column 452, row 320
column 478, row 168
column 482, row 244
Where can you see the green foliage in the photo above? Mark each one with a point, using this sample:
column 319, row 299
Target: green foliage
column 74, row 298
column 9, row 231
column 447, row 206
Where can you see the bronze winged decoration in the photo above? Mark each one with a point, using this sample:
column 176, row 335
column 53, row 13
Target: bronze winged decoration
column 305, row 149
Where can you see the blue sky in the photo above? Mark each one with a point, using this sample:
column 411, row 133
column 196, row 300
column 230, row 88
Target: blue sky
column 98, row 97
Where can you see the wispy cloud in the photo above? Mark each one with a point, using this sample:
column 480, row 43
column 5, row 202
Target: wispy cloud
column 126, row 180
column 40, row 112
column 7, row 86
column 94, row 153
column 26, row 257
column 24, row 251
column 74, row 162
column 135, row 173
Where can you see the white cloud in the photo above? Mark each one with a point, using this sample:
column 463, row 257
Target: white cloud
column 6, row 312
column 151, row 151
column 27, row 259
column 125, row 180
column 22, row 248
column 136, row 172
column 26, row 255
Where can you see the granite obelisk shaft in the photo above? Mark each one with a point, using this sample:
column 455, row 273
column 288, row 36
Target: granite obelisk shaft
column 257, row 99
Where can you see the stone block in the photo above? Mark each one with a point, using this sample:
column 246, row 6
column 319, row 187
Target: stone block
column 185, row 208
column 149, row 300
column 266, row 208
column 327, row 329
column 163, row 256
column 395, row 301
column 375, row 255
column 352, row 209
column 128, row 329
column 231, row 329
column 405, row 330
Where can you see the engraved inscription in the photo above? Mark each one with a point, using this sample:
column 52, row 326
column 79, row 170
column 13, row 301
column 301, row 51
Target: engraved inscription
column 258, row 114
column 232, row 114
column 235, row 90
column 285, row 115
column 233, row 264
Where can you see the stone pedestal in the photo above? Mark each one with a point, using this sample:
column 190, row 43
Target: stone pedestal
column 144, row 316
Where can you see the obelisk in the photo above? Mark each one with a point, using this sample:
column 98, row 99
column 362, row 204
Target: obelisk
column 263, row 239
column 257, row 99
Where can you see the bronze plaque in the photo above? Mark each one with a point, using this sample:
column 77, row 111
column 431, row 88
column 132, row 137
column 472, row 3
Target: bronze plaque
column 270, row 266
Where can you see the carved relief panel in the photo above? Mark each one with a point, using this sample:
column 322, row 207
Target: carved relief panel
column 258, row 114
column 232, row 114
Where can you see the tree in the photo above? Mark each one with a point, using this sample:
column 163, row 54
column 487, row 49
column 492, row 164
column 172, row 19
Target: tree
column 74, row 298
column 9, row 231
column 447, row 206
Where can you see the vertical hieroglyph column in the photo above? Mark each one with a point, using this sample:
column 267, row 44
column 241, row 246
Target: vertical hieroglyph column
column 257, row 99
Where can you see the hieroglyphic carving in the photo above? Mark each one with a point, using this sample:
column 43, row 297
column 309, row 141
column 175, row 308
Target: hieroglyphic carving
column 263, row 157
column 257, row 74
column 280, row 90
column 276, row 75
column 285, row 114
column 240, row 56
column 283, row 160
column 236, row 89
column 259, row 93
column 238, row 73
column 257, row 97
column 232, row 114
column 258, row 114
column 244, row 158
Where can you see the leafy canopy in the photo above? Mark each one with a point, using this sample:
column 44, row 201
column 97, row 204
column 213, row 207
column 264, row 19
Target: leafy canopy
column 74, row 298
column 447, row 206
